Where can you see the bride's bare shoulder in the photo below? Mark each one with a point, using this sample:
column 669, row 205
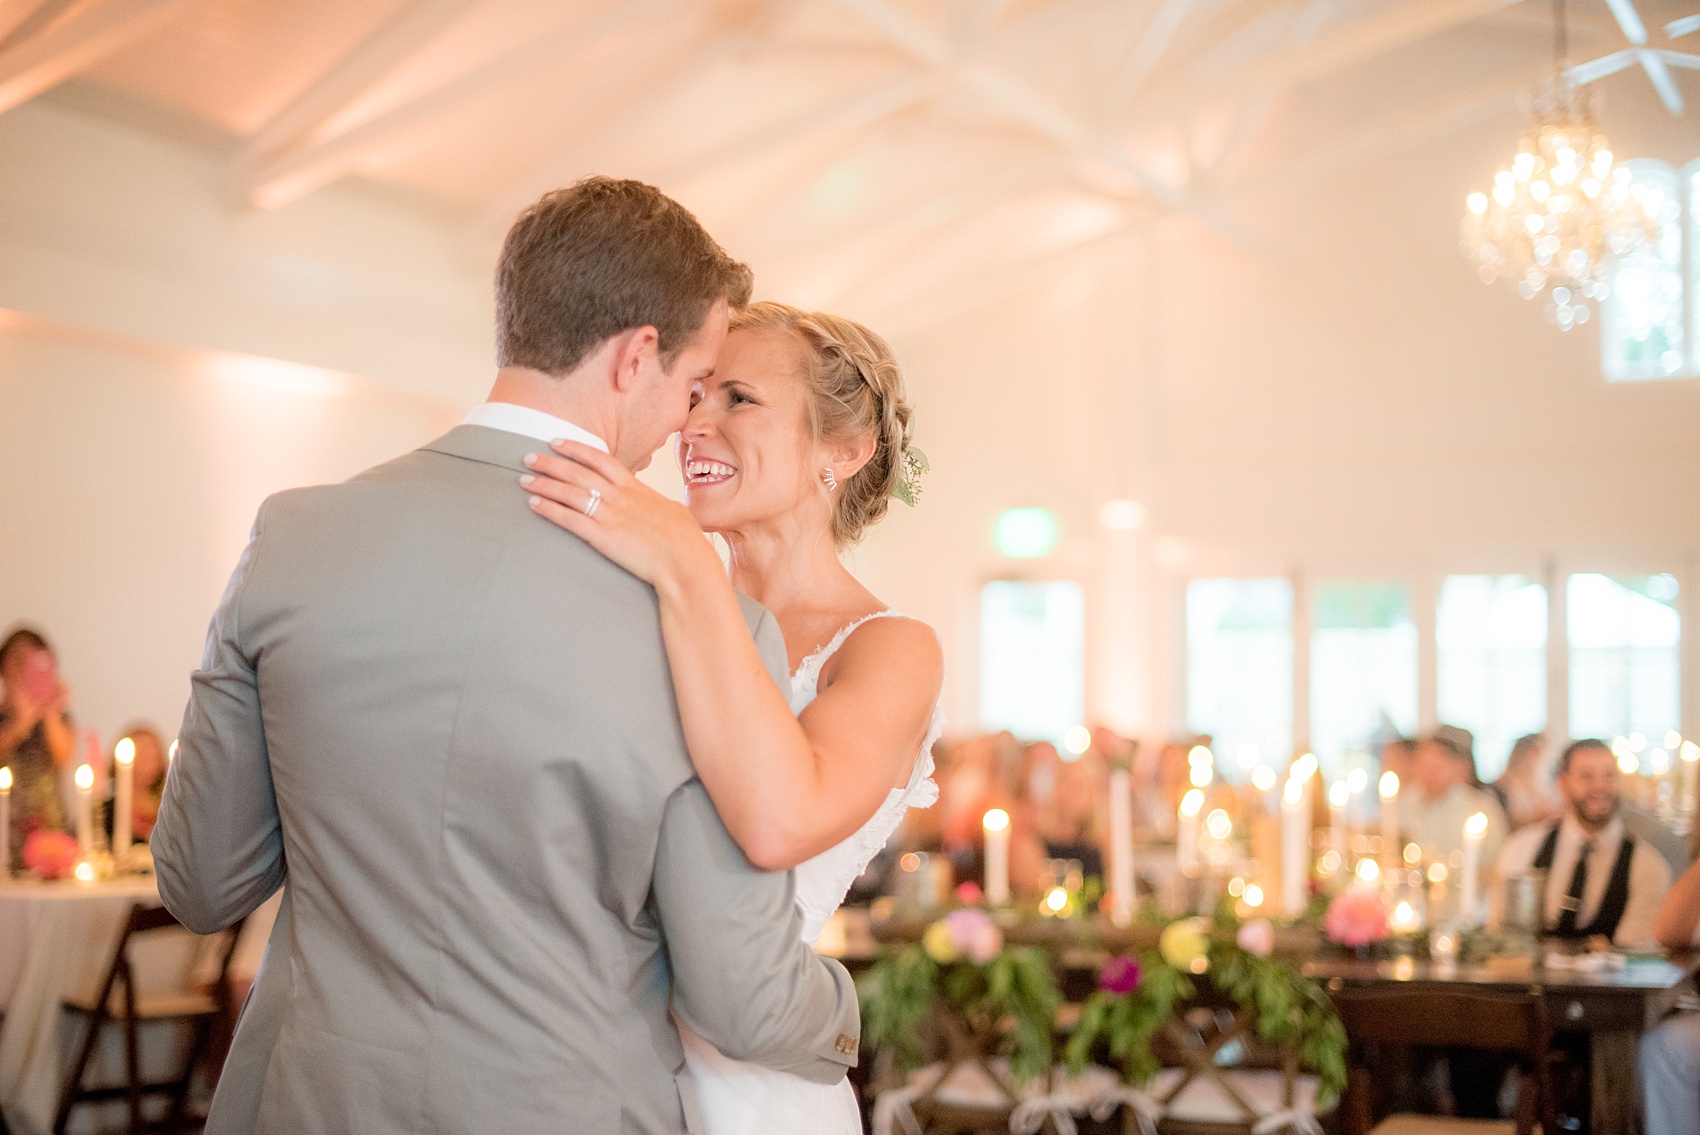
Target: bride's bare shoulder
column 896, row 648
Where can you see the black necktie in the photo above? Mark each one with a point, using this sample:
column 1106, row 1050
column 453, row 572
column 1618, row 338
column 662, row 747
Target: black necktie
column 1572, row 905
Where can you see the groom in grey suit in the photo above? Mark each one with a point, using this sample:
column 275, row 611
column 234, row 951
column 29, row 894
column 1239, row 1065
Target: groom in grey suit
column 447, row 730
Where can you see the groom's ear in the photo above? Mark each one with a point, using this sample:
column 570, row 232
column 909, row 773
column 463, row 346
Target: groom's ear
column 634, row 352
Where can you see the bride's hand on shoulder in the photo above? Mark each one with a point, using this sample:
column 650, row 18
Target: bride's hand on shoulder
column 644, row 532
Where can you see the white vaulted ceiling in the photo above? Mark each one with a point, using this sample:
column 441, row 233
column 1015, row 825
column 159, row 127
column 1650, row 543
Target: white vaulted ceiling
column 865, row 153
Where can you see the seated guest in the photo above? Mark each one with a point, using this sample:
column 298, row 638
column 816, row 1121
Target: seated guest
column 149, row 781
column 1068, row 822
column 1444, row 796
column 1523, row 787
column 1601, row 880
column 36, row 736
column 1670, row 1051
column 1396, row 757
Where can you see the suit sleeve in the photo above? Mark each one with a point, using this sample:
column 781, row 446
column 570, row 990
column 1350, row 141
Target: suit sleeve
column 743, row 979
column 218, row 847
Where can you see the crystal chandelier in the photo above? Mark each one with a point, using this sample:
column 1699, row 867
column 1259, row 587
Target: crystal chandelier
column 1561, row 211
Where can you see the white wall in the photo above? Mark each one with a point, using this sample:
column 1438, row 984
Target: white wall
column 1356, row 403
column 167, row 360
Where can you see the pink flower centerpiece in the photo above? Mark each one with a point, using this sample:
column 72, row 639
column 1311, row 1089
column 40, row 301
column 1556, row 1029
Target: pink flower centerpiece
column 1257, row 938
column 961, row 934
column 50, row 853
column 1357, row 917
column 1120, row 975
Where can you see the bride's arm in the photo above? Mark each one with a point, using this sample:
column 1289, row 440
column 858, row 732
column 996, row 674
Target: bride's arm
column 786, row 787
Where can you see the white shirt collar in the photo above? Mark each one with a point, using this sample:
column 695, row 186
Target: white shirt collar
column 529, row 423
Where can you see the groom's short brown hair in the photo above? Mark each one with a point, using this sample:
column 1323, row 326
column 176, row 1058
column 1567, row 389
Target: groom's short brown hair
column 600, row 257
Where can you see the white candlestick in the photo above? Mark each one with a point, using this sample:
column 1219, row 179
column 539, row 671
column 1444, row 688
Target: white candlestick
column 1474, row 829
column 1338, row 796
column 1186, row 831
column 5, row 823
column 1390, row 849
column 1122, row 894
column 85, row 809
column 1295, row 846
column 123, row 796
column 1690, row 753
column 996, row 826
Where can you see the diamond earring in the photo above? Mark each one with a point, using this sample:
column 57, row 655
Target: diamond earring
column 829, row 479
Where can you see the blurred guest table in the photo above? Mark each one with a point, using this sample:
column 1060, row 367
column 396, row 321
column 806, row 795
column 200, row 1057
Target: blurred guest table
column 56, row 943
column 1613, row 1005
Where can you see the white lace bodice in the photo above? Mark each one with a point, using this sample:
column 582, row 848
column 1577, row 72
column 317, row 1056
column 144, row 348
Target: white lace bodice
column 822, row 882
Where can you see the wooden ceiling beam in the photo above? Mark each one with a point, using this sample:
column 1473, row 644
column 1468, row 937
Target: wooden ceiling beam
column 292, row 175
column 78, row 42
column 368, row 64
column 1356, row 42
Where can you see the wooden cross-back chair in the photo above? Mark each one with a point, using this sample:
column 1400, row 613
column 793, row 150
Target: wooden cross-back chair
column 1500, row 1020
column 119, row 1003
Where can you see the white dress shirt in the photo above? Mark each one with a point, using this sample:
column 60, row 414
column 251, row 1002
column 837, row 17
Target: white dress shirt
column 1649, row 875
column 530, row 423
column 1437, row 826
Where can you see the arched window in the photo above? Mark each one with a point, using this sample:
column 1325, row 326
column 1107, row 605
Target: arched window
column 1650, row 316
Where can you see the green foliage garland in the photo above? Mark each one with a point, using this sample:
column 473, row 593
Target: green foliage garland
column 1289, row 1009
column 899, row 993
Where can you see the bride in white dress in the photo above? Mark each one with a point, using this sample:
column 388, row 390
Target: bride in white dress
column 792, row 450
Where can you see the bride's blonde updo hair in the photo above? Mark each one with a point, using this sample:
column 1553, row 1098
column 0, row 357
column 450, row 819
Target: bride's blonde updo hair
column 855, row 391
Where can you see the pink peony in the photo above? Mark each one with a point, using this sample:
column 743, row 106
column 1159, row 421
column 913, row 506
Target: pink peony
column 1356, row 917
column 975, row 935
column 1119, row 975
column 50, row 853
column 969, row 894
column 1257, row 937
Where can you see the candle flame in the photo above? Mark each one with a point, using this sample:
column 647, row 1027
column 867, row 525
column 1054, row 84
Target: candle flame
column 1389, row 785
column 1253, row 895
column 995, row 820
column 125, row 753
column 85, row 777
column 84, row 870
column 1219, row 824
column 1476, row 826
column 1057, row 899
column 1368, row 870
column 1690, row 752
column 1304, row 768
column 1357, row 780
column 1200, row 755
column 1293, row 795
column 1338, row 794
column 1201, row 776
column 5, row 779
column 1263, row 778
column 1673, row 739
column 1192, row 803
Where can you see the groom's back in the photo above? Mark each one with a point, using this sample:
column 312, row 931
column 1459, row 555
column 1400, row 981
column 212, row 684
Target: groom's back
column 472, row 740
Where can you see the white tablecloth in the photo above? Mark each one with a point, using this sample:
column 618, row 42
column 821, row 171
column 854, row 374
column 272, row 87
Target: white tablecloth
column 56, row 942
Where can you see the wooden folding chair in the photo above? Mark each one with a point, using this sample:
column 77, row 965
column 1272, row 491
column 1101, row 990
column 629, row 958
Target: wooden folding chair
column 121, row 1004
column 1512, row 1021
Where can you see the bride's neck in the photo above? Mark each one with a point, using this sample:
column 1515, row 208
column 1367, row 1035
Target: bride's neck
column 786, row 564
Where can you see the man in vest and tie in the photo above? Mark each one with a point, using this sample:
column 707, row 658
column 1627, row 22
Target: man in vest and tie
column 1601, row 880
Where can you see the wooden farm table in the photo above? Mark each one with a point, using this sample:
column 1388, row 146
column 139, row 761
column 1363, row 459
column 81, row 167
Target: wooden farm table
column 1612, row 1006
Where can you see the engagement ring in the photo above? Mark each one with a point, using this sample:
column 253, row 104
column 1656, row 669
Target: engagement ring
column 594, row 503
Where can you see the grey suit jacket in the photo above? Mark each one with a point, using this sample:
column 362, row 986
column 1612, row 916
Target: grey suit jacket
column 450, row 728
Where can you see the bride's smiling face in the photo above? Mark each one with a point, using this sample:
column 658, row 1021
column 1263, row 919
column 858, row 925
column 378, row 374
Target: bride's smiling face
column 746, row 450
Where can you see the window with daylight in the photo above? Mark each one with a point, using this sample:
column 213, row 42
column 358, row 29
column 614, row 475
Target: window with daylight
column 1625, row 647
column 1363, row 668
column 1491, row 661
column 1652, row 313
column 1032, row 658
column 1239, row 665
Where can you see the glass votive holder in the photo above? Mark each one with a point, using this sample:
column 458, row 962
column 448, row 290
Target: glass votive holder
column 1443, row 945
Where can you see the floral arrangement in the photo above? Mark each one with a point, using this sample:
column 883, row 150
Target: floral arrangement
column 50, row 853
column 1357, row 917
column 1137, row 994
column 962, row 965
